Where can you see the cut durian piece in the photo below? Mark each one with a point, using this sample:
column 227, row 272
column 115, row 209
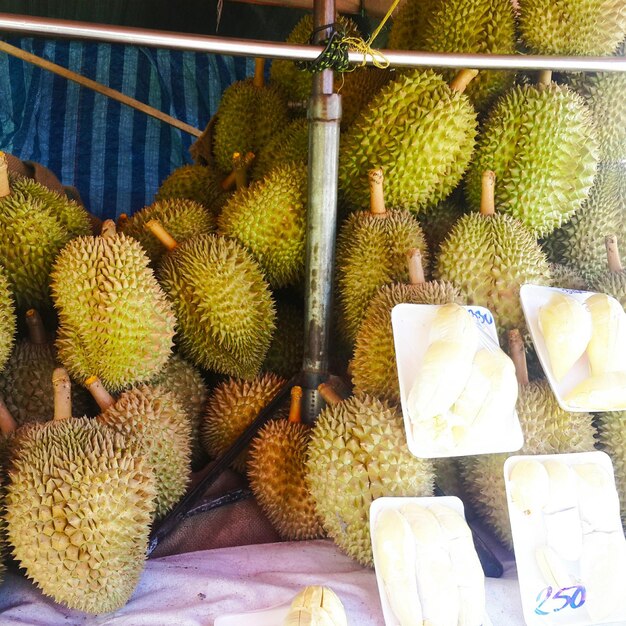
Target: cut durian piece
column 552, row 568
column 530, row 486
column 566, row 327
column 607, row 346
column 316, row 606
column 564, row 533
column 563, row 486
column 600, row 393
column 598, row 502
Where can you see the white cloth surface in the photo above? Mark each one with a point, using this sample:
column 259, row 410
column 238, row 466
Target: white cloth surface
column 194, row 589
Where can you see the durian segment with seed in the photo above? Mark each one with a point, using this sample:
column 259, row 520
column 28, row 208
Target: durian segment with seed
column 322, row 602
column 607, row 346
column 604, row 392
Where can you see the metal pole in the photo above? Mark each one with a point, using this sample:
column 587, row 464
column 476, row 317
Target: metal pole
column 27, row 25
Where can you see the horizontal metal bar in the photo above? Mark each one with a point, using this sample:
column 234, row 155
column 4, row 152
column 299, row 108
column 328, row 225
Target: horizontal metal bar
column 27, row 25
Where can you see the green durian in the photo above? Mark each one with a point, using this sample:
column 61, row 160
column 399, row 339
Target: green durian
column 79, row 504
column 182, row 218
column 373, row 365
column 154, row 420
column 566, row 278
column 284, row 356
column 572, row 27
column 7, row 319
column 357, row 453
column 613, row 281
column 409, row 20
column 371, row 252
column 540, row 141
column 579, row 244
column 357, row 88
column 420, row 131
column 115, row 322
column 269, row 219
column 489, row 257
column 276, row 471
column 250, row 114
column 232, row 406
column 290, row 145
column 223, row 304
column 612, row 439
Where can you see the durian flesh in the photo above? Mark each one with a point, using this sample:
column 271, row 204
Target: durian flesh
column 607, row 346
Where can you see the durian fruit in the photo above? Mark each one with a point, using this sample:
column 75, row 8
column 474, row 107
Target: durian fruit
column 582, row 28
column 269, row 219
column 371, row 252
column 612, row 439
column 153, row 420
column 284, row 356
column 26, row 381
column 580, row 244
column 540, row 141
column 7, row 319
column 223, row 304
column 182, row 218
column 357, row 453
column 612, row 282
column 566, row 278
column 232, row 406
column 185, row 382
column 420, row 131
column 114, row 319
column 249, row 115
column 489, row 256
column 276, row 470
column 606, row 348
column 35, row 224
column 357, row 88
column 547, row 428
column 316, row 606
column 79, row 504
column 373, row 366
column 479, row 27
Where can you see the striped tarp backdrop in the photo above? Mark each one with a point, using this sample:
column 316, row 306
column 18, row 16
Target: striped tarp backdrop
column 115, row 156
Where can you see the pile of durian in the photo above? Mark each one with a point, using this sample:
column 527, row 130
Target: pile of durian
column 178, row 324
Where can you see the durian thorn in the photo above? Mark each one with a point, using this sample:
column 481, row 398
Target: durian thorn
column 544, row 78
column 612, row 253
column 377, row 196
column 102, row 397
column 156, row 228
column 295, row 408
column 122, row 220
column 62, row 394
column 36, row 330
column 416, row 269
column 329, row 395
column 488, row 196
column 259, row 69
column 108, row 230
column 463, row 79
column 5, row 188
column 518, row 356
column 7, row 423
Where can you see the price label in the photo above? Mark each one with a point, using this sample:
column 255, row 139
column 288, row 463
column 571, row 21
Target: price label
column 550, row 601
column 482, row 318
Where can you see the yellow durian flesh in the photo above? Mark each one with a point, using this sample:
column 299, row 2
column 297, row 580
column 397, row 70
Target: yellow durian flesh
column 316, row 606
column 606, row 392
column 607, row 347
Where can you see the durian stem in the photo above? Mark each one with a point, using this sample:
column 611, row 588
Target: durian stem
column 161, row 234
column 7, row 423
column 102, row 397
column 488, row 197
column 612, row 253
column 295, row 408
column 518, row 356
column 377, row 196
column 108, row 229
column 5, row 188
column 416, row 269
column 259, row 68
column 122, row 220
column 231, row 180
column 62, row 394
column 463, row 79
column 329, row 395
column 36, row 330
column 544, row 78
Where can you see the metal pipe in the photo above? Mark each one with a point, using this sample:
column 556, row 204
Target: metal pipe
column 27, row 25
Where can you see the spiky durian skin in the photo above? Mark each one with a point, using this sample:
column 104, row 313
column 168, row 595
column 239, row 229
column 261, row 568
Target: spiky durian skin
column 548, row 429
column 79, row 507
column 284, row 356
column 7, row 319
column 409, row 20
column 224, row 308
column 276, row 469
column 489, row 258
column 290, row 145
column 568, row 27
column 194, row 182
column 373, row 366
column 181, row 218
column 357, row 453
column 566, row 278
column 152, row 418
column 357, row 88
column 371, row 252
column 247, row 118
column 579, row 244
column 231, row 408
column 612, row 439
column 420, row 132
column 269, row 219
column 542, row 146
column 114, row 320
column 613, row 284
column 186, row 383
